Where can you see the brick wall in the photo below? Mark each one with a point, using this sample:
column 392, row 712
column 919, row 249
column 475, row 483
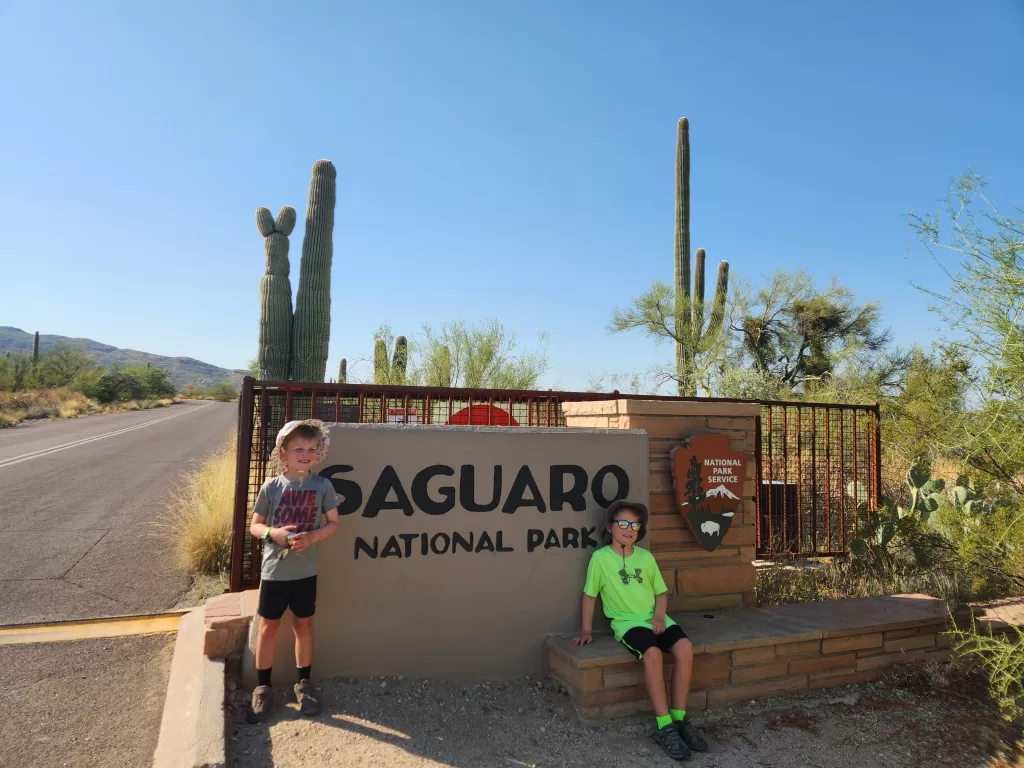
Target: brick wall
column 611, row 687
column 697, row 579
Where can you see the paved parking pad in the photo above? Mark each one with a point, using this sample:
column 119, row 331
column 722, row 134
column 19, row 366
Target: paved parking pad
column 83, row 703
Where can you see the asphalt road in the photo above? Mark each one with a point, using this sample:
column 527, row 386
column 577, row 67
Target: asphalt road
column 80, row 504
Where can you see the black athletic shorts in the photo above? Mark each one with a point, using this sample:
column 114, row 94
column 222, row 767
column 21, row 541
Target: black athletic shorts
column 639, row 639
column 298, row 595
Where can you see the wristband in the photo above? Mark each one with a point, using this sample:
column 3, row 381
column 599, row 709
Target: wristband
column 266, row 534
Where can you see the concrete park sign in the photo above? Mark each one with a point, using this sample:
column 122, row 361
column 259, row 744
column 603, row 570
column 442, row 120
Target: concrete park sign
column 708, row 476
column 461, row 548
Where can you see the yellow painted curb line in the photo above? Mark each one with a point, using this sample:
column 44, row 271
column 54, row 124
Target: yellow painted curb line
column 89, row 629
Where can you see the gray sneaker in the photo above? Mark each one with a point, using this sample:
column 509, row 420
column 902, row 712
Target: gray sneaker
column 671, row 742
column 262, row 700
column 309, row 704
column 691, row 737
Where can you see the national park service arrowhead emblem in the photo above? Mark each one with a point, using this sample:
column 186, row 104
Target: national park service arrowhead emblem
column 708, row 475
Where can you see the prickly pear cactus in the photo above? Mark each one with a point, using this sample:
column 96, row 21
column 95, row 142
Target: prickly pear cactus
column 311, row 327
column 273, row 355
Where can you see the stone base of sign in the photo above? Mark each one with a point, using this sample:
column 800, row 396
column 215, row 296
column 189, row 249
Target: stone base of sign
column 761, row 653
column 697, row 579
column 226, row 619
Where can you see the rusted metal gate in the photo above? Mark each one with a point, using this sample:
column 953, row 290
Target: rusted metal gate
column 819, row 472
column 810, row 469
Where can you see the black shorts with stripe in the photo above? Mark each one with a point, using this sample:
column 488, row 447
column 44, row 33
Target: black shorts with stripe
column 641, row 639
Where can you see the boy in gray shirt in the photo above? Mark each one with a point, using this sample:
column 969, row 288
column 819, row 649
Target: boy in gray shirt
column 287, row 518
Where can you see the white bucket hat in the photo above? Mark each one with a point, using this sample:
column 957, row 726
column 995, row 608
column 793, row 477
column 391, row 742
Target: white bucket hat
column 277, row 464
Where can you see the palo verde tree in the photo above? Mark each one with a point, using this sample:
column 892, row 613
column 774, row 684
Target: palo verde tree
column 789, row 338
column 483, row 355
column 980, row 250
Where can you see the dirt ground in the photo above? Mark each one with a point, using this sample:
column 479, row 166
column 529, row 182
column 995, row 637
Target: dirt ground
column 83, row 703
column 406, row 723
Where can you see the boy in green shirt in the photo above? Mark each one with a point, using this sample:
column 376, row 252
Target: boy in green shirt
column 634, row 597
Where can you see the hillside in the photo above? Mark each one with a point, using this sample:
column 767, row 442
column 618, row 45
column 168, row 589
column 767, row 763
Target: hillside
column 184, row 370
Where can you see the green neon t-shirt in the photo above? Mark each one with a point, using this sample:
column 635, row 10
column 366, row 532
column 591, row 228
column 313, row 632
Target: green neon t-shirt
column 629, row 604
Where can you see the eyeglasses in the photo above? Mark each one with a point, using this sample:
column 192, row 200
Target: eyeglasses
column 624, row 524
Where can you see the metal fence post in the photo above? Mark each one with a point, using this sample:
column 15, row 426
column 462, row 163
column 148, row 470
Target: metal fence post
column 243, row 453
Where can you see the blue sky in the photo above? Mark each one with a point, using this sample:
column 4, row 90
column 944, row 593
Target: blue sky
column 510, row 160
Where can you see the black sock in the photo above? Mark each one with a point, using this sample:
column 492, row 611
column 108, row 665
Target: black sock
column 302, row 673
column 263, row 676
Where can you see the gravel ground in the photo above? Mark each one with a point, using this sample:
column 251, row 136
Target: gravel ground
column 83, row 703
column 405, row 723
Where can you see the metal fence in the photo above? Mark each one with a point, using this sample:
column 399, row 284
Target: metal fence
column 819, row 471
column 802, row 512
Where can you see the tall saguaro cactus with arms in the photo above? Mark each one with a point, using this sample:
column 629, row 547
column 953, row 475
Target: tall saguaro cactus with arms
column 692, row 335
column 676, row 313
column 274, row 352
column 311, row 326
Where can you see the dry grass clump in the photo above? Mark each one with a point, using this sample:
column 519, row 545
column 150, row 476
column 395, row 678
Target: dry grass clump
column 60, row 403
column 810, row 581
column 199, row 520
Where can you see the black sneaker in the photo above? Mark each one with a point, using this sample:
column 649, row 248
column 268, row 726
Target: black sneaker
column 309, row 704
column 671, row 742
column 693, row 738
column 262, row 699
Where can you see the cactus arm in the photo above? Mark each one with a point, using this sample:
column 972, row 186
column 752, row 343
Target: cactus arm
column 285, row 220
column 343, row 371
column 718, row 307
column 264, row 222
column 697, row 300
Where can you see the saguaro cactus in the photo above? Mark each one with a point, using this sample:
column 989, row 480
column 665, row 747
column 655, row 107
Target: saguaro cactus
column 274, row 352
column 311, row 327
column 399, row 360
column 692, row 336
column 381, row 369
column 35, row 350
column 343, row 371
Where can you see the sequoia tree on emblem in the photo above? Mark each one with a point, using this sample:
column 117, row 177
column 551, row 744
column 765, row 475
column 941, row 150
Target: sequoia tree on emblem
column 708, row 475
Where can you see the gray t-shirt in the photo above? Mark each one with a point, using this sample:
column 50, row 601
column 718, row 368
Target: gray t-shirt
column 284, row 502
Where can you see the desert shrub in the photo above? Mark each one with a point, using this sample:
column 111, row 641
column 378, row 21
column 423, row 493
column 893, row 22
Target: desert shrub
column 125, row 384
column 223, row 392
column 1001, row 656
column 781, row 583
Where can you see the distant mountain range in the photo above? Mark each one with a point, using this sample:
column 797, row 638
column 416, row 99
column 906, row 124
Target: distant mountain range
column 183, row 370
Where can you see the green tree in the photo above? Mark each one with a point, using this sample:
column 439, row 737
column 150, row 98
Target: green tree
column 980, row 250
column 16, row 372
column 796, row 338
column 484, row 355
column 654, row 314
column 60, row 365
